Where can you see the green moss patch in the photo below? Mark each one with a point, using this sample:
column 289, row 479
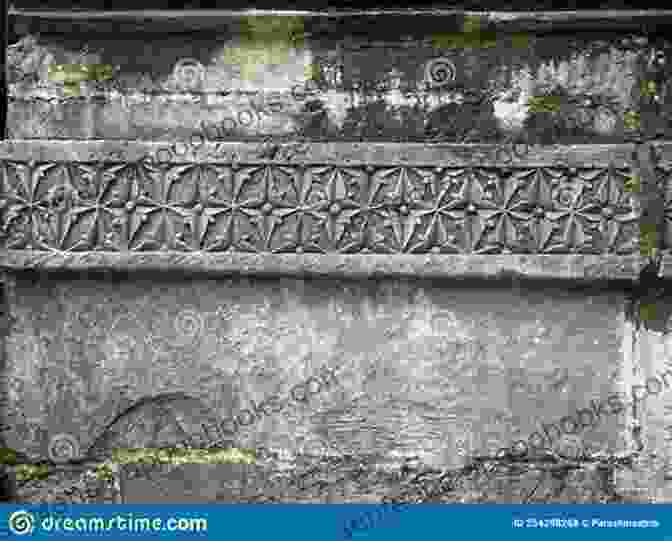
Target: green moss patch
column 8, row 456
column 631, row 120
column 271, row 29
column 103, row 472
column 457, row 40
column 544, row 104
column 647, row 312
column 648, row 240
column 71, row 75
column 264, row 40
column 474, row 36
column 30, row 472
column 77, row 73
column 183, row 456
column 632, row 184
column 648, row 88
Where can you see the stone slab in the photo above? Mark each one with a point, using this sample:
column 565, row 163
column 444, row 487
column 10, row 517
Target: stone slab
column 430, row 371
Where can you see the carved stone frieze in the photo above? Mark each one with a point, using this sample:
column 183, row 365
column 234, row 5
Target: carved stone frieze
column 663, row 153
column 65, row 198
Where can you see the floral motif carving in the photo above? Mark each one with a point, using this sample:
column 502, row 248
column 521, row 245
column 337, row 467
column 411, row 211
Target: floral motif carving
column 310, row 208
column 665, row 173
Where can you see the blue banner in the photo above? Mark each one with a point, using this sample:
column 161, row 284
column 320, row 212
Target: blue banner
column 308, row 522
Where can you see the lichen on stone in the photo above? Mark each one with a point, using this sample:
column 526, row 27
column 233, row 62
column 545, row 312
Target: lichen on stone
column 32, row 472
column 263, row 41
column 631, row 120
column 544, row 104
column 632, row 184
column 76, row 73
column 103, row 472
column 183, row 456
column 311, row 71
column 647, row 312
column 8, row 456
column 273, row 28
column 648, row 240
column 648, row 88
column 71, row 75
column 519, row 40
column 473, row 35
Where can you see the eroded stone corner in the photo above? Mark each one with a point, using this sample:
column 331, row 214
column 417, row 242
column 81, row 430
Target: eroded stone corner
column 644, row 363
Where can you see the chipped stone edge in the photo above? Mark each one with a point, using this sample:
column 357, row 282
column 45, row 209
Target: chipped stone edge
column 538, row 266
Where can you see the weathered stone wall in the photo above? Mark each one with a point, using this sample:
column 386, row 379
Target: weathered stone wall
column 432, row 371
column 424, row 373
column 388, row 78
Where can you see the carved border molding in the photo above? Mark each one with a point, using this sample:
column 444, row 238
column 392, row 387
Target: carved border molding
column 426, row 210
column 664, row 173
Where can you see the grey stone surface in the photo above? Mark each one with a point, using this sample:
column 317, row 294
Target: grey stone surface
column 420, row 367
column 357, row 79
column 156, row 332
column 578, row 268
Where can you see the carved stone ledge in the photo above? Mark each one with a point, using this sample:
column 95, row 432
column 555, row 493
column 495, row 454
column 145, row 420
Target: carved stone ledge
column 562, row 267
column 319, row 208
column 297, row 153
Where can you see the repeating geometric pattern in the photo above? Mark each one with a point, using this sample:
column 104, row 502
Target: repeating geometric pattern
column 665, row 172
column 294, row 208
